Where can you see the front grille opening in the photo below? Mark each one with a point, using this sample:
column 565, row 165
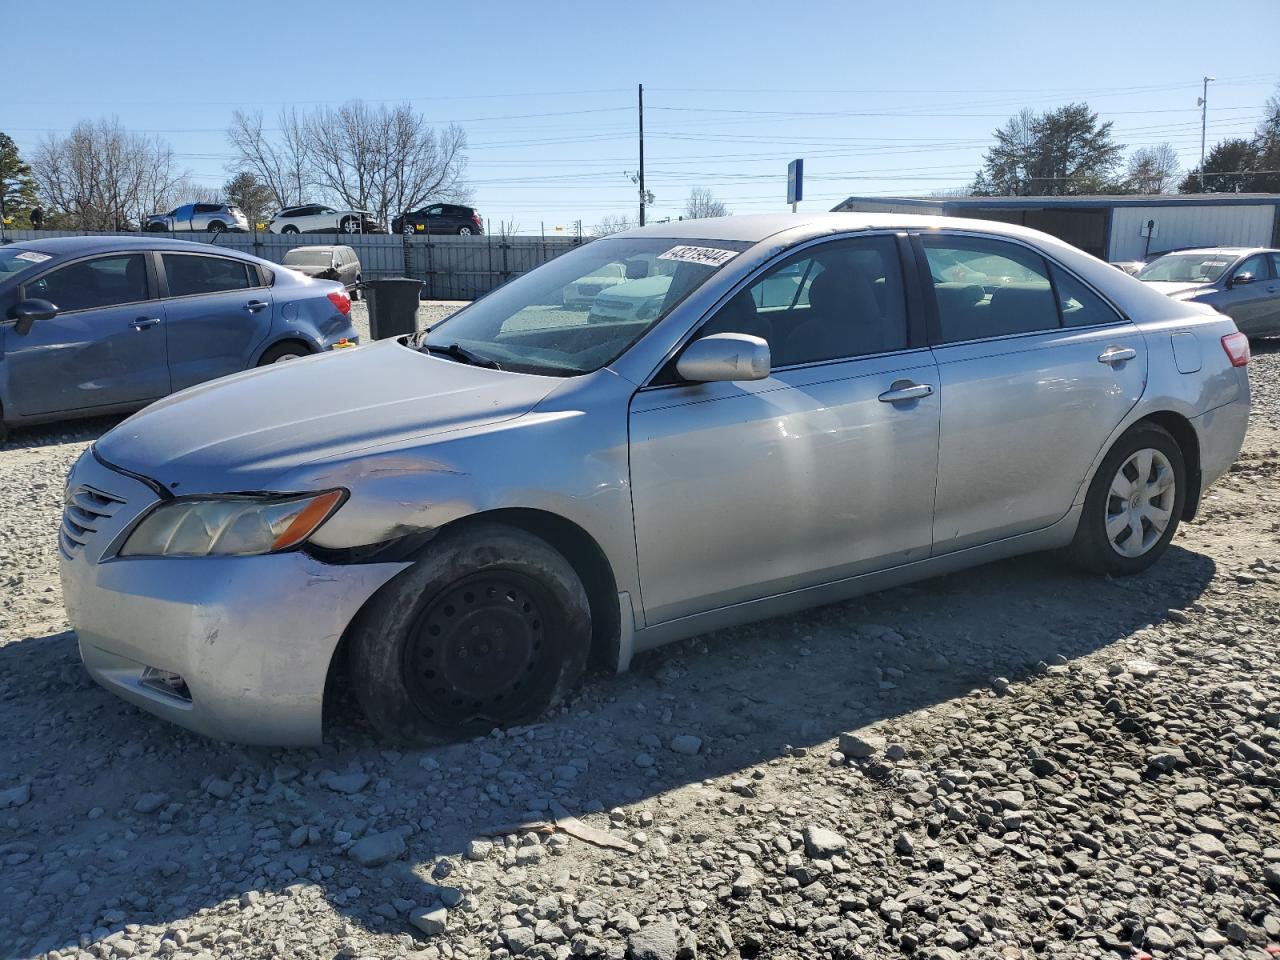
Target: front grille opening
column 167, row 682
column 85, row 508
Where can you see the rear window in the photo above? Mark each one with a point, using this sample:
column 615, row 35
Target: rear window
column 310, row 258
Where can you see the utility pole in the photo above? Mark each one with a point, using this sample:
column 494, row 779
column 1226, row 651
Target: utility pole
column 1204, row 114
column 641, row 86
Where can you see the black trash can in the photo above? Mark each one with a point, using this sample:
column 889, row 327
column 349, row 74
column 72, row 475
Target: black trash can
column 393, row 306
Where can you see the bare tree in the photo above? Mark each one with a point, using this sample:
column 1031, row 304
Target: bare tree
column 1153, row 169
column 612, row 224
column 281, row 162
column 102, row 177
column 702, row 203
column 383, row 159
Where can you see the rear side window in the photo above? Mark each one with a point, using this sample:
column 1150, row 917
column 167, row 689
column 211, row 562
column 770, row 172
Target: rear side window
column 988, row 288
column 208, row 207
column 1080, row 306
column 90, row 284
column 190, row 275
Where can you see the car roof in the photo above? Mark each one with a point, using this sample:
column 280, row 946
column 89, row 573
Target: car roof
column 77, row 246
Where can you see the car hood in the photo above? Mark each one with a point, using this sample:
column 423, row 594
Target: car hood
column 243, row 433
column 1179, row 288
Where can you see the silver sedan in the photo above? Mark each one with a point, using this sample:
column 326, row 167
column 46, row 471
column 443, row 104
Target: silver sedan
column 802, row 408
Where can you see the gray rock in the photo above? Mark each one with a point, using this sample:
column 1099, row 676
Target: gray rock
column 654, row 941
column 150, row 802
column 298, row 837
column 220, row 788
column 1192, row 802
column 1208, row 844
column 520, row 939
column 479, row 849
column 15, row 796
column 861, row 746
column 431, row 921
column 686, row 744
column 1157, row 938
column 378, row 849
column 822, row 844
column 904, row 844
column 346, row 782
column 643, row 760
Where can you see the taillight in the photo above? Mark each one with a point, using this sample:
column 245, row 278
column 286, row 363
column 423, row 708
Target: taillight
column 340, row 300
column 1237, row 347
column 476, row 218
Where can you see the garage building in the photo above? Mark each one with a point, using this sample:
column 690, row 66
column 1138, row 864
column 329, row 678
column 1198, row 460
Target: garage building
column 1113, row 227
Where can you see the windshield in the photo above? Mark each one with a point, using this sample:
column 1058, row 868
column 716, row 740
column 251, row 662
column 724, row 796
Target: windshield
column 582, row 310
column 310, row 258
column 1187, row 267
column 15, row 260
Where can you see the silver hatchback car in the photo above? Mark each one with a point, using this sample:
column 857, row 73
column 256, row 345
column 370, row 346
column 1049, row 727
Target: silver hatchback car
column 820, row 406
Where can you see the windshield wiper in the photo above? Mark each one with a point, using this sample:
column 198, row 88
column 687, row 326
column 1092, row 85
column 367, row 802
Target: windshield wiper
column 462, row 354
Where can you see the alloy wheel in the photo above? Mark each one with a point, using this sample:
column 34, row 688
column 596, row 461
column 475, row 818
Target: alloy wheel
column 1140, row 502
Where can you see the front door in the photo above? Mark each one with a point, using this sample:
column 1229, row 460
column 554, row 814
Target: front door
column 824, row 470
column 106, row 346
column 1036, row 372
column 218, row 315
column 1251, row 304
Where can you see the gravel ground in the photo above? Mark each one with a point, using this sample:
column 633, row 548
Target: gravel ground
column 1008, row 762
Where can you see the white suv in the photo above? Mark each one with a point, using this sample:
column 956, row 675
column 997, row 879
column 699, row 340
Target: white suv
column 316, row 218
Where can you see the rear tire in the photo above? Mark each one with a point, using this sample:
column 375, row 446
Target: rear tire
column 355, row 291
column 217, row 227
column 465, row 231
column 282, row 352
column 1134, row 504
column 490, row 628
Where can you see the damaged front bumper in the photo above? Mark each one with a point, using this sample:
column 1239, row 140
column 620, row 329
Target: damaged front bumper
column 235, row 648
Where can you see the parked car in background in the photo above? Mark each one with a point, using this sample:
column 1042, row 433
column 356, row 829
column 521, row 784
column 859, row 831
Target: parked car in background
column 453, row 522
column 1131, row 267
column 439, row 219
column 205, row 217
column 95, row 325
column 1242, row 282
column 317, row 218
column 327, row 263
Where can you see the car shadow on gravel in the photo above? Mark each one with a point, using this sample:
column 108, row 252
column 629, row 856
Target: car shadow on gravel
column 131, row 820
column 65, row 431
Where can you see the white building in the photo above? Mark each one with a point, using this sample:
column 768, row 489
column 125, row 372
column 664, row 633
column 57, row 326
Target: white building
column 1114, row 227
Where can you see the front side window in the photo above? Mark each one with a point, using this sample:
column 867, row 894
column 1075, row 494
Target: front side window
column 190, row 275
column 91, row 284
column 572, row 316
column 1255, row 266
column 836, row 301
column 988, row 288
column 435, row 211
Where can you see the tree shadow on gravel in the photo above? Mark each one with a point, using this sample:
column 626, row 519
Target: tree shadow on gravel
column 83, row 858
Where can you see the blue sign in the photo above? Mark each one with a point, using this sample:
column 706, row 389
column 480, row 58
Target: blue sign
column 795, row 181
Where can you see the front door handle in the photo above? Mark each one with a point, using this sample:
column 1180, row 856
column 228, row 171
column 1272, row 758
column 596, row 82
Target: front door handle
column 253, row 306
column 1114, row 355
column 144, row 323
column 905, row 390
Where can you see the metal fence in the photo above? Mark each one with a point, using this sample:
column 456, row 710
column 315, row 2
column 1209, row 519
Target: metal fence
column 451, row 268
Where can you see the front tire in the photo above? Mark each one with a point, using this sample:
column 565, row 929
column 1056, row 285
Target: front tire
column 490, row 628
column 349, row 225
column 1134, row 503
column 289, row 229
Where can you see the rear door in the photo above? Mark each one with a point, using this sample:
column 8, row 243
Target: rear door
column 219, row 314
column 106, row 346
column 1036, row 369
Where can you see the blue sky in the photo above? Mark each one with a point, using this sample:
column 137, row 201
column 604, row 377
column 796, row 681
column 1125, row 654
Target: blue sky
column 879, row 98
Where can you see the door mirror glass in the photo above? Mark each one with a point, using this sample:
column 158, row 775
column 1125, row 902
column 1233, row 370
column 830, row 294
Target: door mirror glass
column 27, row 312
column 725, row 356
column 1241, row 278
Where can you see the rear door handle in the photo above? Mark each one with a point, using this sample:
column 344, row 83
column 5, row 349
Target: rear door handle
column 1114, row 355
column 144, row 323
column 905, row 390
column 253, row 306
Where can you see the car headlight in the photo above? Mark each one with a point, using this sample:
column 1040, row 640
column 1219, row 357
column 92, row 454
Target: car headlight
column 232, row 526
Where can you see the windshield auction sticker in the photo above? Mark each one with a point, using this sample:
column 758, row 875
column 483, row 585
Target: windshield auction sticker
column 708, row 256
column 32, row 257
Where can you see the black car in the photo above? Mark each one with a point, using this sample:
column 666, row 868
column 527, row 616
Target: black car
column 439, row 218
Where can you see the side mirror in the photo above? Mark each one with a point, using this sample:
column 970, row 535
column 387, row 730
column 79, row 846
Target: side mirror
column 725, row 356
column 27, row 312
column 1240, row 279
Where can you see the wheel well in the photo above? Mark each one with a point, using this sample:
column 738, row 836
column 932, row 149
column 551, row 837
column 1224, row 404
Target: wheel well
column 573, row 543
column 306, row 347
column 1180, row 428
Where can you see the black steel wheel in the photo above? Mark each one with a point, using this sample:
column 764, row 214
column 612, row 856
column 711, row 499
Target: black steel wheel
column 491, row 627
